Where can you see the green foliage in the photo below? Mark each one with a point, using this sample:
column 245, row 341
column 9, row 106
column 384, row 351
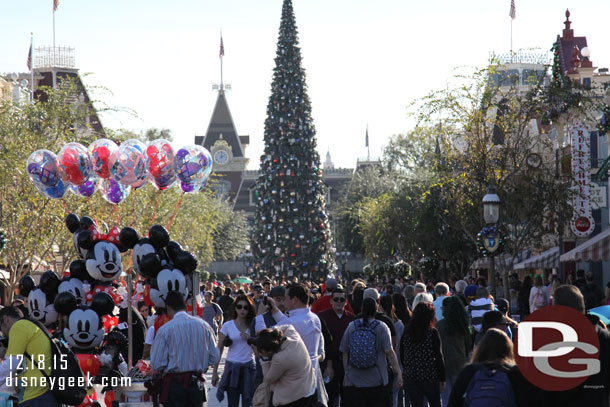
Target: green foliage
column 291, row 232
column 33, row 223
column 231, row 234
column 482, row 134
column 371, row 182
column 36, row 237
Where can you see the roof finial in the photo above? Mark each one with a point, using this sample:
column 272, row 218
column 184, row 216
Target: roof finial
column 567, row 22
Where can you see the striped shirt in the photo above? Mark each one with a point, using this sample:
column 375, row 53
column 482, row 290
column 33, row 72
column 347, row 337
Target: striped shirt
column 184, row 344
column 477, row 309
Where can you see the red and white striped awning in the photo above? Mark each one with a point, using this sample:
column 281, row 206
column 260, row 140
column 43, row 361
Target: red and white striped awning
column 548, row 259
column 595, row 249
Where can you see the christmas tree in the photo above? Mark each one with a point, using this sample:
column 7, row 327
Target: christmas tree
column 291, row 234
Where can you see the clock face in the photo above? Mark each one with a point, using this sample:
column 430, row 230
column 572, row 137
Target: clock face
column 221, row 157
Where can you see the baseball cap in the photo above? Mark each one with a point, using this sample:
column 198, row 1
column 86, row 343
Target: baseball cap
column 257, row 287
column 278, row 291
column 471, row 291
column 331, row 284
column 371, row 293
column 502, row 305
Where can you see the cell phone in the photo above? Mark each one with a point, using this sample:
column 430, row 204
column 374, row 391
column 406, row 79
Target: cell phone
column 265, row 300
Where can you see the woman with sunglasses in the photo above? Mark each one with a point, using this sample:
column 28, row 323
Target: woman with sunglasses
column 240, row 368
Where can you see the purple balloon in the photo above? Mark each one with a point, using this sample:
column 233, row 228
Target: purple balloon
column 86, row 189
column 113, row 191
column 43, row 168
column 193, row 167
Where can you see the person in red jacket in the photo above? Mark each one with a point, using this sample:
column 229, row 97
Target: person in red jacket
column 323, row 303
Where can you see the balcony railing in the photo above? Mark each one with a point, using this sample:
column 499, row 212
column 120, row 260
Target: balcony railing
column 54, row 57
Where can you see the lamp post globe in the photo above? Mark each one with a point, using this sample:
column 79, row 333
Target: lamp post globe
column 491, row 206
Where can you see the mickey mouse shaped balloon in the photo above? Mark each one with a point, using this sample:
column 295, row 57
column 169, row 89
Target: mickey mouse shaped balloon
column 148, row 253
column 104, row 253
column 85, row 329
column 76, row 226
column 173, row 276
column 40, row 299
column 74, row 283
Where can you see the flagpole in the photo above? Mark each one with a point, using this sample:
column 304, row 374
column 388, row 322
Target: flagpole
column 53, row 27
column 511, row 40
column 368, row 144
column 32, row 68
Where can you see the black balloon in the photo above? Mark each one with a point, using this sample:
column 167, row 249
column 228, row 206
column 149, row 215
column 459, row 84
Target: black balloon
column 173, row 249
column 102, row 303
column 78, row 269
column 129, row 237
column 26, row 284
column 84, row 240
column 72, row 222
column 159, row 236
column 65, row 303
column 186, row 262
column 49, row 281
column 86, row 221
column 150, row 265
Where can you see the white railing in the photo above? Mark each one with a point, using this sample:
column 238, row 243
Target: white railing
column 54, row 57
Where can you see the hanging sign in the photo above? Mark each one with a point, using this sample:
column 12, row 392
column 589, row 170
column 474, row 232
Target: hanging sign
column 582, row 223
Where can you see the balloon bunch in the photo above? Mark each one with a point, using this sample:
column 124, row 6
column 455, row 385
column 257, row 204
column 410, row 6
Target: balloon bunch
column 115, row 170
column 162, row 263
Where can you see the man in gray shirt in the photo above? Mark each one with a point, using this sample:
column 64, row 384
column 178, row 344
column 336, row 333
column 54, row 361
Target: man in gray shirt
column 212, row 314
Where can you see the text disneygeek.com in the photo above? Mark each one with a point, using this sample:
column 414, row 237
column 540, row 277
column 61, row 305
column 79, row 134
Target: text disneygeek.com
column 62, row 383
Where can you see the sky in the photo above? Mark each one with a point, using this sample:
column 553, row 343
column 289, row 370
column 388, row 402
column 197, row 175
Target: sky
column 365, row 60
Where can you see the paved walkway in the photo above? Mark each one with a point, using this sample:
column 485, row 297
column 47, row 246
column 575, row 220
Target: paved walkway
column 212, row 401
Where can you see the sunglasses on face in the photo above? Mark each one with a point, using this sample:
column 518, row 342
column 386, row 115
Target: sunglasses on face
column 240, row 307
column 339, row 299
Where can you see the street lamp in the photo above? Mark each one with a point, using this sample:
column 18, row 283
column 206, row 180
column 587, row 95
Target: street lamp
column 491, row 236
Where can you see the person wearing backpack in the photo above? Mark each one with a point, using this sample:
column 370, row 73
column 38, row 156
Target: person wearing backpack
column 492, row 379
column 367, row 347
column 539, row 296
column 422, row 357
column 25, row 336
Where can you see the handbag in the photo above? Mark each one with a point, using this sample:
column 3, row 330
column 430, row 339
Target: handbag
column 262, row 396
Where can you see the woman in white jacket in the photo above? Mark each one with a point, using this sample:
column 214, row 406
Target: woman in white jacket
column 286, row 367
column 539, row 295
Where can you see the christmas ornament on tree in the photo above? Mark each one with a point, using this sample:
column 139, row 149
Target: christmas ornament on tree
column 290, row 179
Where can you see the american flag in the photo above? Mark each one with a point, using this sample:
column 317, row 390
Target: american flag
column 513, row 10
column 30, row 58
column 55, row 5
column 222, row 48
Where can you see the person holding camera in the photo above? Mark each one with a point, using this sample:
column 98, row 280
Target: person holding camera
column 240, row 369
column 266, row 319
column 286, row 367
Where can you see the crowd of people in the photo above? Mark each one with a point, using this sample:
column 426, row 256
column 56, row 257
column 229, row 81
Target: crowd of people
column 397, row 342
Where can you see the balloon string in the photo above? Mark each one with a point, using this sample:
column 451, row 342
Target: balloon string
column 171, row 222
column 133, row 223
column 63, row 202
column 115, row 213
column 156, row 206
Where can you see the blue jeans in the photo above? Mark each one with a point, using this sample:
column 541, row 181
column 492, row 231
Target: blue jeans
column 45, row 400
column 233, row 394
column 447, row 391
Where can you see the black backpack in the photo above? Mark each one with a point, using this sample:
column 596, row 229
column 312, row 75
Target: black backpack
column 65, row 368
